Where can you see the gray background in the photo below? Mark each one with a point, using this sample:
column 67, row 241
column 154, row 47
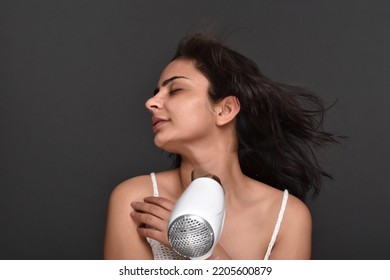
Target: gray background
column 75, row 76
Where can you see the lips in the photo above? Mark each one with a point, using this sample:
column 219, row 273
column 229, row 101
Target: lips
column 157, row 122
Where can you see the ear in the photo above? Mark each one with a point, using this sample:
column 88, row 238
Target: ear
column 227, row 109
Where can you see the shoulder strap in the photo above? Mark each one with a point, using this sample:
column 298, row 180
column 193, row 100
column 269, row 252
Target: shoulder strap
column 155, row 186
column 277, row 226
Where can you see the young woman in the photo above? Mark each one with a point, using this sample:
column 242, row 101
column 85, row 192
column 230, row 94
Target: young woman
column 214, row 110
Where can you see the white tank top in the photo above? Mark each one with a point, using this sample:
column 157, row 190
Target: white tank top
column 160, row 252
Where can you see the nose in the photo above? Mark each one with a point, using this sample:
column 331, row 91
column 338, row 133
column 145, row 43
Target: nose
column 154, row 103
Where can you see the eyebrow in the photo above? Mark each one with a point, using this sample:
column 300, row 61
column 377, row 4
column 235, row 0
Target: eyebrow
column 167, row 81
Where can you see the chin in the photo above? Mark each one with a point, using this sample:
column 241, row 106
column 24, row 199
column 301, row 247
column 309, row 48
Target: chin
column 162, row 144
column 166, row 146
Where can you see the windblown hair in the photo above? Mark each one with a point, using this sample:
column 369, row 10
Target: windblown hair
column 278, row 126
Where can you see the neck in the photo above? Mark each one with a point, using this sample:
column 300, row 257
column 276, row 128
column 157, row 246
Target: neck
column 224, row 165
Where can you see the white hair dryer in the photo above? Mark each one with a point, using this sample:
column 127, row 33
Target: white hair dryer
column 196, row 222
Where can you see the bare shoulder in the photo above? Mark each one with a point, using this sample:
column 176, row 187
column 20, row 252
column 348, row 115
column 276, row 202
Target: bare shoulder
column 296, row 210
column 293, row 240
column 295, row 235
column 139, row 187
column 121, row 239
column 133, row 189
column 297, row 214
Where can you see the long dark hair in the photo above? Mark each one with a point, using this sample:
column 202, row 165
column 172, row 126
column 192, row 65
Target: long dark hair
column 279, row 125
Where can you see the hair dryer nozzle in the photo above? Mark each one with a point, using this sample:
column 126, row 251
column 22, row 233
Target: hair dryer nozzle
column 191, row 236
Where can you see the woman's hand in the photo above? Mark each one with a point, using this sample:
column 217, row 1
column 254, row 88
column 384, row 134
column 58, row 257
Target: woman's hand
column 153, row 213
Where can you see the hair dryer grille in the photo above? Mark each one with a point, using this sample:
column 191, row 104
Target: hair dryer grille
column 191, row 236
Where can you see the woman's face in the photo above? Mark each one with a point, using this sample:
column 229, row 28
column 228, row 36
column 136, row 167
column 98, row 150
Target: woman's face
column 182, row 112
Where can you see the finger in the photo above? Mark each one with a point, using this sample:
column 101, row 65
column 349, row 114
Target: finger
column 149, row 220
column 163, row 202
column 150, row 208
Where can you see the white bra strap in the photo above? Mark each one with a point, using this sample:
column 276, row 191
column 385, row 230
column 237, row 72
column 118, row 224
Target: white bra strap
column 277, row 226
column 154, row 181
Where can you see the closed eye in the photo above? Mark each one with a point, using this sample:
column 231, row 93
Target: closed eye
column 173, row 91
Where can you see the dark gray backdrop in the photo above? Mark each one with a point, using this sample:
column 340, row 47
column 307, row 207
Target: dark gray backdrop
column 75, row 76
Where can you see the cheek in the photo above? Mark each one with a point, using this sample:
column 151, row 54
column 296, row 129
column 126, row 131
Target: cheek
column 194, row 114
column 189, row 124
